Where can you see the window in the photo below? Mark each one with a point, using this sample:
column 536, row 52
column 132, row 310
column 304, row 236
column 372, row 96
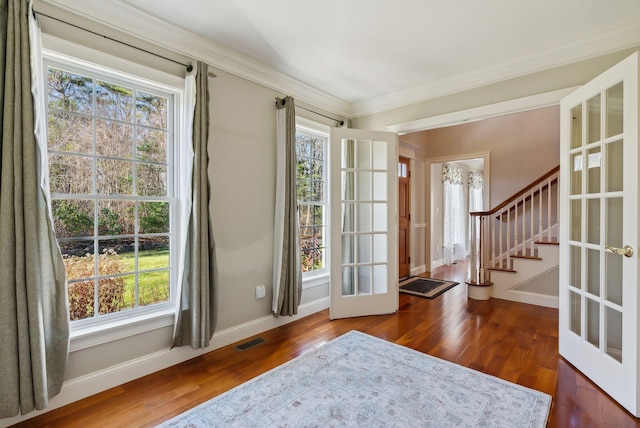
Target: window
column 311, row 148
column 112, row 146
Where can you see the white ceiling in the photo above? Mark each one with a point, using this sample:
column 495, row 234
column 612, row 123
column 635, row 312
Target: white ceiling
column 364, row 50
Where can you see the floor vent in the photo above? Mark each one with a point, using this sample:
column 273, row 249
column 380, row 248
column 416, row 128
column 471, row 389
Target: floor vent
column 250, row 344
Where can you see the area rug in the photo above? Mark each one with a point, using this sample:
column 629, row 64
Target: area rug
column 425, row 287
column 360, row 380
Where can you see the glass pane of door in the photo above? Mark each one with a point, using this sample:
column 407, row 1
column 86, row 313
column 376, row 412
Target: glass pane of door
column 596, row 179
column 365, row 221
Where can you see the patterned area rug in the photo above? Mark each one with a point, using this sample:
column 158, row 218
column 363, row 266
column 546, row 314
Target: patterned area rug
column 360, row 380
column 425, row 287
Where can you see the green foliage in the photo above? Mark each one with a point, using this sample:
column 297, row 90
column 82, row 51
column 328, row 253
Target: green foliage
column 109, row 222
column 154, row 217
column 74, row 220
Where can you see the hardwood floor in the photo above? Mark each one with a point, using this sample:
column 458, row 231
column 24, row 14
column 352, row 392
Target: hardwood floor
column 513, row 341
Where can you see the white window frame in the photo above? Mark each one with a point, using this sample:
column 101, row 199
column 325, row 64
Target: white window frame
column 110, row 327
column 320, row 276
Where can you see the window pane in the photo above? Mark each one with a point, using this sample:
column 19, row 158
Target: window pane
column 69, row 133
column 72, row 218
column 114, row 177
column 593, row 119
column 614, row 110
column 615, row 169
column 151, row 179
column 80, row 267
column 116, row 218
column 311, row 194
column 114, row 101
column 114, row 139
column 111, row 295
column 576, row 126
column 153, row 217
column 151, row 145
column 71, row 175
column 81, row 299
column 151, row 110
column 153, row 253
column 116, row 256
column 69, row 91
column 153, row 288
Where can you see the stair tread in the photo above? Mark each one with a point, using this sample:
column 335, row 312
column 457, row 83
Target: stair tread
column 527, row 254
column 499, row 269
column 545, row 242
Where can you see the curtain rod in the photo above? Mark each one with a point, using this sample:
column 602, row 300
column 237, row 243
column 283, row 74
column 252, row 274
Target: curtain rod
column 189, row 67
column 340, row 122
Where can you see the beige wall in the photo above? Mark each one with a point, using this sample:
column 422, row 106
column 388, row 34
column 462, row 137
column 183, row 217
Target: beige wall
column 523, row 146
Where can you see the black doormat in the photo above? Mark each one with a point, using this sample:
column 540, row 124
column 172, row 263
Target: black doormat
column 425, row 287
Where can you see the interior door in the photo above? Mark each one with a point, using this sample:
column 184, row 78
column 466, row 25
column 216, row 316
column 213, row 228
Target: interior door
column 404, row 218
column 599, row 231
column 364, row 248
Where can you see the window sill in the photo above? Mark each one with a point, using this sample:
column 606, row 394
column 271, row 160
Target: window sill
column 315, row 279
column 94, row 335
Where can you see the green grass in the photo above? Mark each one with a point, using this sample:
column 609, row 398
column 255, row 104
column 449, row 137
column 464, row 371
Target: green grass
column 153, row 286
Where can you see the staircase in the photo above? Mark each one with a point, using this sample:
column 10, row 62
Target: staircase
column 514, row 246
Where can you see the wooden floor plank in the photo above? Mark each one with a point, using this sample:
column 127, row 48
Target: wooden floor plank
column 514, row 341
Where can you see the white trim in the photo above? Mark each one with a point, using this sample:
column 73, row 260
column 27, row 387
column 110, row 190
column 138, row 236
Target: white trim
column 478, row 113
column 435, row 264
column 420, row 225
column 93, row 383
column 530, row 298
column 565, row 53
column 63, row 50
column 109, row 331
column 418, row 270
column 315, row 279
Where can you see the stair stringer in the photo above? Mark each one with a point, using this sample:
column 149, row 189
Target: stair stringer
column 505, row 284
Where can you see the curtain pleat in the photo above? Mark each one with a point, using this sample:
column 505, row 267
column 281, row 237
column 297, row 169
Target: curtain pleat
column 33, row 298
column 196, row 314
column 287, row 276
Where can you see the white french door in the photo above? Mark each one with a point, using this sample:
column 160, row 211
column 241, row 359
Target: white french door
column 364, row 228
column 599, row 232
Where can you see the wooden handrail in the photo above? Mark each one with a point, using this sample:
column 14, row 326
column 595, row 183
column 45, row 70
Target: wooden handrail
column 516, row 195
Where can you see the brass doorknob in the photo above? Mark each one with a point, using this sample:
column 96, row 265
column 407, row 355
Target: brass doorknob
column 627, row 251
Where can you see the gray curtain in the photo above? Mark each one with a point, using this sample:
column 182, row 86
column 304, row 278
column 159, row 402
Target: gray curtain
column 34, row 317
column 287, row 266
column 198, row 311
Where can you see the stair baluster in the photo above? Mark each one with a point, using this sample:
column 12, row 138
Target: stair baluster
column 492, row 249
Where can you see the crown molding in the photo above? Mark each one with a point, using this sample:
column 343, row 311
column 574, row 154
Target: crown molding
column 482, row 112
column 127, row 19
column 622, row 37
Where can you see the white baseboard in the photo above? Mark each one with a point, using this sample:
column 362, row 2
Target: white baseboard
column 530, row 298
column 93, row 383
column 418, row 270
column 435, row 264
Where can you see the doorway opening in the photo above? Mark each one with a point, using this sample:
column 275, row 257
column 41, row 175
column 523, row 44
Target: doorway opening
column 458, row 185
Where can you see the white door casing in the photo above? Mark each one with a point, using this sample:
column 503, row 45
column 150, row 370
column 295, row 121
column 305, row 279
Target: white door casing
column 364, row 223
column 598, row 218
